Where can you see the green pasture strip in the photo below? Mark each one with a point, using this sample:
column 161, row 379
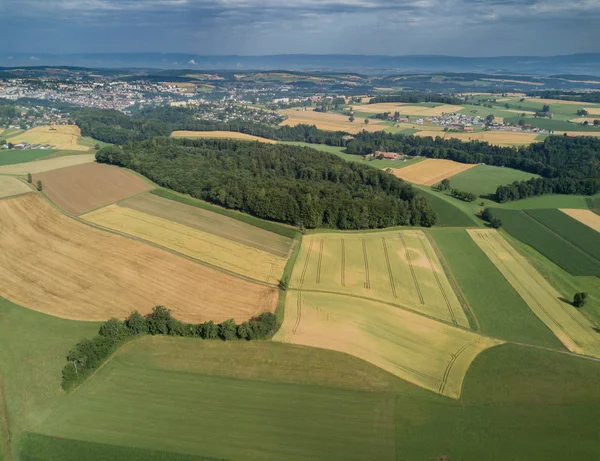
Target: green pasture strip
column 485, row 179
column 447, row 209
column 525, row 228
column 91, row 142
column 500, row 310
column 14, row 156
column 38, row 447
column 274, row 227
column 580, row 235
column 545, row 201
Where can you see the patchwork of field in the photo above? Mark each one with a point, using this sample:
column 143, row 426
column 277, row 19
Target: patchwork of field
column 499, row 138
column 61, row 137
column 421, row 350
column 431, row 171
column 10, row 186
column 220, row 135
column 85, row 187
column 407, row 109
column 396, row 267
column 204, row 246
column 569, row 325
column 40, row 166
column 329, row 121
column 485, row 179
column 13, row 156
column 54, row 264
column 587, row 217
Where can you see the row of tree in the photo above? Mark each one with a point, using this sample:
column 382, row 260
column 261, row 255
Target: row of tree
column 89, row 354
column 288, row 184
column 544, row 186
column 462, row 195
column 583, row 96
column 418, row 96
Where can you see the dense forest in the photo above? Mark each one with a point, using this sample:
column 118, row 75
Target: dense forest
column 416, row 97
column 288, row 184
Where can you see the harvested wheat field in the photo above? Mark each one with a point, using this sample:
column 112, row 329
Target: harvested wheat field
column 10, row 186
column 396, row 267
column 581, row 120
column 220, row 135
column 60, row 137
column 498, row 138
column 431, row 171
column 420, row 350
column 554, row 101
column 593, row 110
column 407, row 109
column 587, row 217
column 40, row 166
column 328, row 121
column 213, row 223
column 578, row 133
column 204, row 246
column 56, row 265
column 569, row 325
column 84, row 187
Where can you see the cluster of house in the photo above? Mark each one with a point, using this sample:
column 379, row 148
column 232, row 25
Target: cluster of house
column 380, row 155
column 457, row 121
column 26, row 145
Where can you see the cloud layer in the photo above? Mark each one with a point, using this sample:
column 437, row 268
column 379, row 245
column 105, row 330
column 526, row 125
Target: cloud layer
column 458, row 27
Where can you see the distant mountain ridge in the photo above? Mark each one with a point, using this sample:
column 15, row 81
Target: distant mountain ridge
column 582, row 64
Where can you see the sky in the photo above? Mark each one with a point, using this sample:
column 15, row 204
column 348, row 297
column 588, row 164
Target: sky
column 262, row 27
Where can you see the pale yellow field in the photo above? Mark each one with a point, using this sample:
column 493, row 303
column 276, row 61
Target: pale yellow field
column 61, row 137
column 514, row 111
column 396, row 267
column 10, row 186
column 425, row 352
column 593, row 110
column 579, row 133
column 215, row 250
column 499, row 138
column 590, row 120
column 220, row 135
column 40, row 166
column 587, row 217
column 328, row 121
column 569, row 325
column 407, row 109
column 554, row 101
column 431, row 171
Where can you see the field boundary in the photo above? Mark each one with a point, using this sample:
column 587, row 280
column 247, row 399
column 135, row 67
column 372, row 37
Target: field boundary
column 412, row 270
column 389, row 269
column 454, row 357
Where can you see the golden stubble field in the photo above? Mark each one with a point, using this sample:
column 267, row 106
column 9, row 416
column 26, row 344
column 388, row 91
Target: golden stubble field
column 407, row 109
column 61, row 137
column 396, row 267
column 569, row 325
column 10, row 186
column 431, row 171
column 56, row 265
column 498, row 138
column 220, row 135
column 210, row 248
column 587, row 217
column 329, row 121
column 423, row 351
column 39, row 166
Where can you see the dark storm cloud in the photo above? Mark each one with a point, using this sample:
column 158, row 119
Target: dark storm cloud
column 460, row 27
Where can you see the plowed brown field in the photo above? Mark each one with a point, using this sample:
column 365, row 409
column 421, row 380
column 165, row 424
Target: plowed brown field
column 85, row 187
column 54, row 264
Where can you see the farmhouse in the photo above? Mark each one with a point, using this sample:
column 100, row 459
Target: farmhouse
column 388, row 155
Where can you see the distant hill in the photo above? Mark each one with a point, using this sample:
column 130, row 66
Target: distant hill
column 581, row 64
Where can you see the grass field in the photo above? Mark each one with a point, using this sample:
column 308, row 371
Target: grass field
column 499, row 309
column 587, row 217
column 10, row 186
column 569, row 325
column 425, row 352
column 12, row 156
column 530, row 231
column 329, row 121
column 82, row 188
column 397, row 267
column 498, row 138
column 485, row 179
column 431, row 171
column 220, row 135
column 40, row 166
column 211, row 222
column 191, row 241
column 57, row 265
column 449, row 215
column 60, row 137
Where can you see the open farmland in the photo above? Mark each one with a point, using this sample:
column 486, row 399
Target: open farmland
column 220, row 135
column 485, row 179
column 499, row 138
column 40, row 166
column 418, row 349
column 579, row 133
column 10, row 186
column 211, row 222
column 408, row 109
column 13, row 156
column 593, row 110
column 54, row 264
column 204, row 246
column 85, row 187
column 569, row 325
column 431, row 171
column 60, row 137
column 587, row 217
column 396, row 267
column 329, row 121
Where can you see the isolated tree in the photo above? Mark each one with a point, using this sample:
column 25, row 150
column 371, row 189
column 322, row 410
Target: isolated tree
column 366, row 121
column 284, row 283
column 29, row 178
column 496, row 223
column 490, row 118
column 39, row 185
column 586, row 123
column 596, row 122
column 546, row 108
column 351, row 118
column 580, row 299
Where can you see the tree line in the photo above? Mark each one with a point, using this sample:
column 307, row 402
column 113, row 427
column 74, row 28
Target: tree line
column 89, row 354
column 289, row 184
column 418, row 96
column 583, row 96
